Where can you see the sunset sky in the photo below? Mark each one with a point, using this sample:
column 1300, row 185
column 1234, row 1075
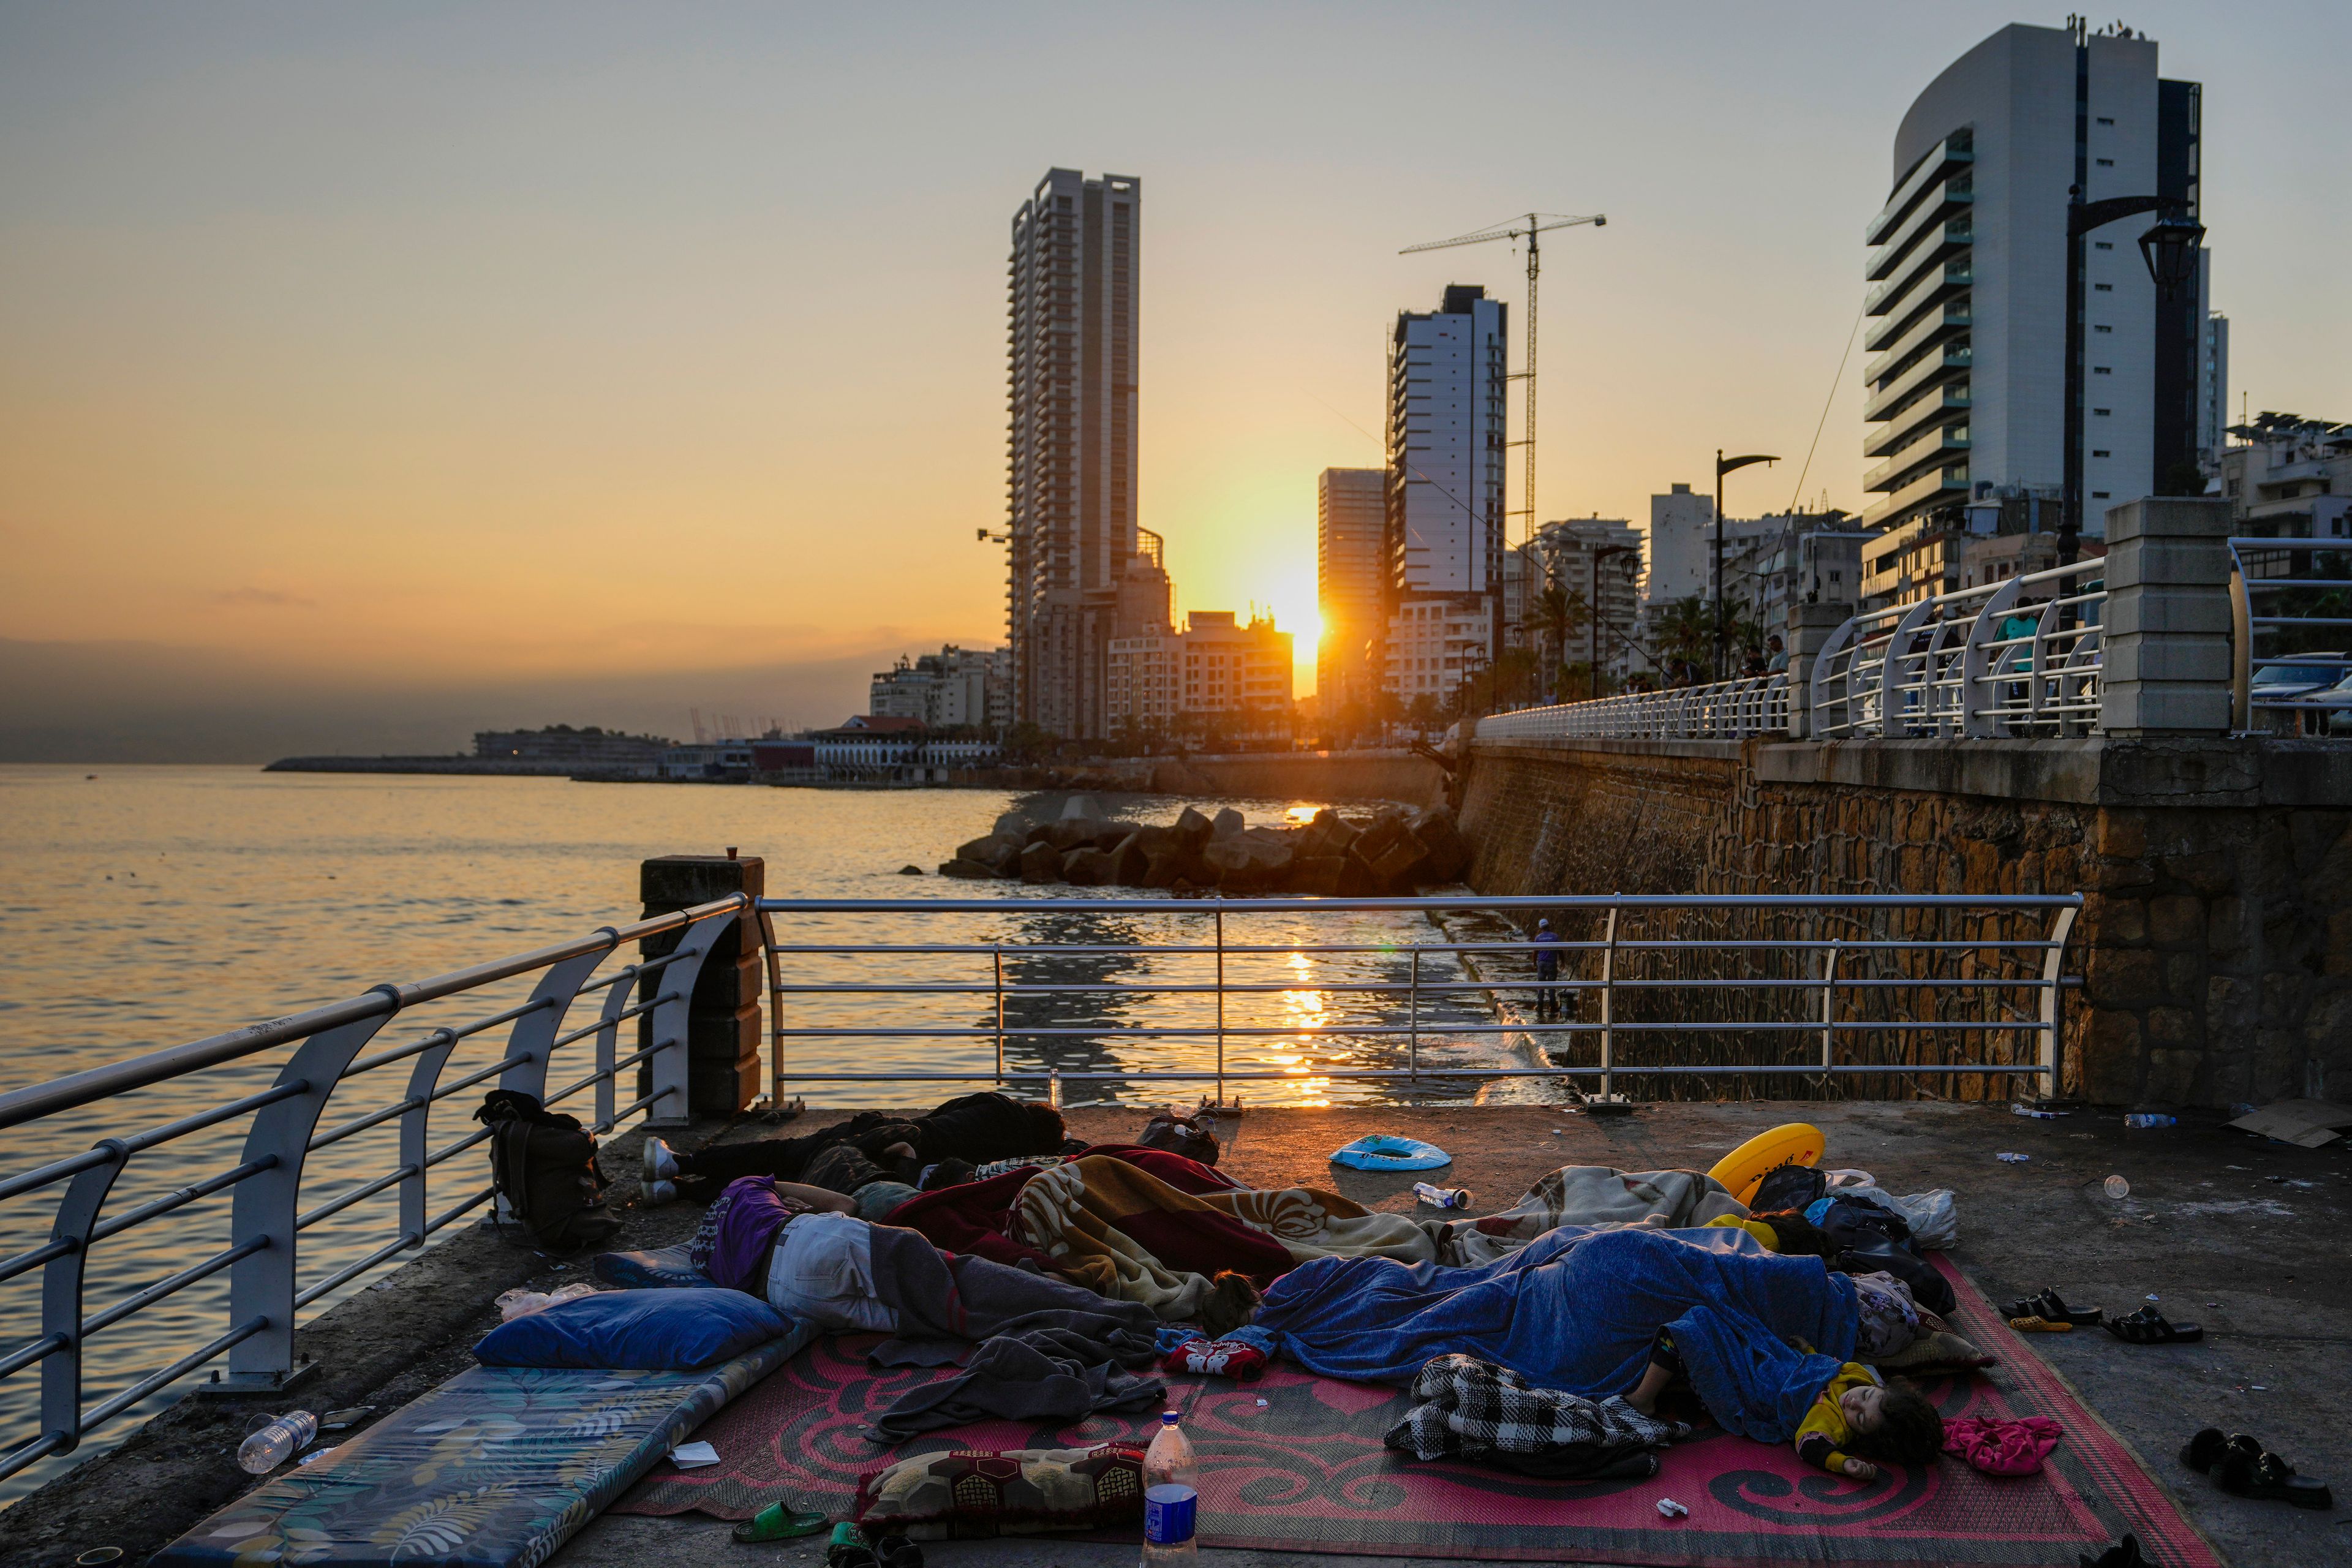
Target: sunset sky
column 449, row 362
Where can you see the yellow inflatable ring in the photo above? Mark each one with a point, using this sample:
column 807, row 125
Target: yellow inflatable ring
column 1745, row 1168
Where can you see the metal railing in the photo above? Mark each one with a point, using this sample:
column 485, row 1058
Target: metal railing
column 1726, row 709
column 282, row 1129
column 2018, row 658
column 1903, row 975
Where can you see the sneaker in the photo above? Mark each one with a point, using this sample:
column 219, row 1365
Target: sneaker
column 661, row 1165
column 660, row 1192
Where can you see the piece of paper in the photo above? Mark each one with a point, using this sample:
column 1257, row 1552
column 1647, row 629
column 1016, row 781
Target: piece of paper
column 689, row 1456
column 2305, row 1123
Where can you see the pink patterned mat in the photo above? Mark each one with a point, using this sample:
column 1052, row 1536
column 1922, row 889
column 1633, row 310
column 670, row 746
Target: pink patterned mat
column 1307, row 1472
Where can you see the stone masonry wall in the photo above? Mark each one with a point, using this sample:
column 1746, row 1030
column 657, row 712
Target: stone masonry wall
column 2216, row 940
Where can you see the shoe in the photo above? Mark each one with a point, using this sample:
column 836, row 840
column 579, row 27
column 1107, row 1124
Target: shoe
column 2203, row 1451
column 2247, row 1469
column 778, row 1522
column 660, row 1192
column 2149, row 1327
column 661, row 1164
column 2124, row 1553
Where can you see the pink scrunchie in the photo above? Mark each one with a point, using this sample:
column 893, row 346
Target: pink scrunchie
column 2002, row 1448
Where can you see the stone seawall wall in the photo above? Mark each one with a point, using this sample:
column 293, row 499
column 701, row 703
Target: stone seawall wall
column 2215, row 943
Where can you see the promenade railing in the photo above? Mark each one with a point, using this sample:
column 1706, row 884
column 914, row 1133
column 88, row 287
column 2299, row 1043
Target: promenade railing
column 2021, row 658
column 275, row 1132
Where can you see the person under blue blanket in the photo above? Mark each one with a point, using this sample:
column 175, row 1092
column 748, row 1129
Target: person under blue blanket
column 1757, row 1334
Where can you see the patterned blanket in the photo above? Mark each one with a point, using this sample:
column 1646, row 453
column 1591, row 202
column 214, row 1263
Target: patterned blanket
column 1595, row 1197
column 1473, row 1409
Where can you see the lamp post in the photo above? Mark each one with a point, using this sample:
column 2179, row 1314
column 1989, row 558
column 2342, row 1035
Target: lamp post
column 1593, row 613
column 1723, row 466
column 2169, row 248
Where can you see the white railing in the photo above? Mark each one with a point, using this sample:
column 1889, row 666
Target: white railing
column 2297, row 693
column 2019, row 657
column 1724, row 710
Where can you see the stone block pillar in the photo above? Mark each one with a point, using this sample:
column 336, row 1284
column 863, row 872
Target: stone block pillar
column 722, row 1044
column 1808, row 632
column 2165, row 660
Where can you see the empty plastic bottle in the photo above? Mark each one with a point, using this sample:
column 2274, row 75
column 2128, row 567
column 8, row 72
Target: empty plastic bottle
column 279, row 1441
column 1172, row 1496
column 1440, row 1197
column 2150, row 1118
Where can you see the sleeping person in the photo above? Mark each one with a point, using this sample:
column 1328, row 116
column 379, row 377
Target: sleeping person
column 1759, row 1336
column 974, row 1128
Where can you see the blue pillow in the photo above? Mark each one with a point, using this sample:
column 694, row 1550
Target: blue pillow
column 650, row 1330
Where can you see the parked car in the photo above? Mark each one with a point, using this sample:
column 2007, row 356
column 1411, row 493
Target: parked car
column 2296, row 680
column 2336, row 718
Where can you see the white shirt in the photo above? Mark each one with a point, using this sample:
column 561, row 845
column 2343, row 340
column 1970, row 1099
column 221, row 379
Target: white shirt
column 823, row 1270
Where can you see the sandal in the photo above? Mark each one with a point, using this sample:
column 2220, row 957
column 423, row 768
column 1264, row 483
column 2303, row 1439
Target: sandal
column 2203, row 1451
column 2040, row 1325
column 2124, row 1553
column 898, row 1552
column 778, row 1522
column 2148, row 1327
column 2053, row 1306
column 849, row 1548
column 2263, row 1474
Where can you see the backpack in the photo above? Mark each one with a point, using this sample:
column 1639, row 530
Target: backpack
column 543, row 1164
column 1788, row 1187
column 1179, row 1135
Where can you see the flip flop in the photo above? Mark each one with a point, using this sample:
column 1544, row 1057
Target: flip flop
column 2148, row 1327
column 849, row 1548
column 2053, row 1306
column 2203, row 1451
column 2040, row 1325
column 778, row 1522
column 2268, row 1476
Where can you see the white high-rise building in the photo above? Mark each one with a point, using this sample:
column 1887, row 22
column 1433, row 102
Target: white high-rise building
column 1071, row 454
column 2213, row 391
column 1966, row 303
column 1443, row 534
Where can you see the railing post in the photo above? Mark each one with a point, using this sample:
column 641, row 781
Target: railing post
column 2053, row 1002
column 1893, row 720
column 1977, row 658
column 1818, row 665
column 1829, row 1011
column 1000, row 1012
column 551, row 999
column 61, row 1283
column 2166, row 666
column 416, row 1126
column 261, row 1286
column 719, row 1034
column 669, row 1025
column 2241, row 648
column 1413, row 1019
column 1609, row 1005
column 1221, row 1006
column 608, row 1044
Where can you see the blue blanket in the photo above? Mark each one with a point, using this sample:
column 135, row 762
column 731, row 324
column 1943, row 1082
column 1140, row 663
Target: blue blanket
column 1579, row 1309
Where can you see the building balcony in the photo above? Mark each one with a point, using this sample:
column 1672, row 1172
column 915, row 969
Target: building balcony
column 1933, row 272
column 1906, row 424
column 1937, row 447
column 1947, row 157
column 1930, row 490
column 1953, row 203
column 1949, row 362
column 1955, row 317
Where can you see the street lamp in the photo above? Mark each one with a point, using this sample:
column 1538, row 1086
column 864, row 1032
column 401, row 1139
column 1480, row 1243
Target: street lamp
column 1723, row 466
column 1593, row 610
column 2169, row 248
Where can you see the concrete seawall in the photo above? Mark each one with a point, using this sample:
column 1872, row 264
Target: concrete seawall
column 2216, row 943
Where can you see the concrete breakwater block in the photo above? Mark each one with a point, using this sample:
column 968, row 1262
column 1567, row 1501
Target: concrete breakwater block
column 1393, row 851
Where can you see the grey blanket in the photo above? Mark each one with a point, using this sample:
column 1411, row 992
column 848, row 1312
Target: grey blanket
column 1593, row 1195
column 954, row 1297
column 1017, row 1378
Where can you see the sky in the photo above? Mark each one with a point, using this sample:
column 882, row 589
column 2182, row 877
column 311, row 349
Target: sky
column 372, row 373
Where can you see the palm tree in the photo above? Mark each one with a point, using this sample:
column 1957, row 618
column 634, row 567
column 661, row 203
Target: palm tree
column 1558, row 615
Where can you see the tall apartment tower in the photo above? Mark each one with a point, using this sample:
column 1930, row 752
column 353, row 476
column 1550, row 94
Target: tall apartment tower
column 1350, row 524
column 1443, row 536
column 1967, row 305
column 1071, row 453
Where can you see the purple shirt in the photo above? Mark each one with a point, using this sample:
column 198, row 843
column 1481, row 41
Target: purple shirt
column 738, row 1231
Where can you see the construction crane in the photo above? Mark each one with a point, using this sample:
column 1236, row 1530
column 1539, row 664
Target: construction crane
column 1528, row 227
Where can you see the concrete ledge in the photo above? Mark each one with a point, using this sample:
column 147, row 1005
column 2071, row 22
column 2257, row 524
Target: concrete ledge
column 1559, row 745
column 2012, row 770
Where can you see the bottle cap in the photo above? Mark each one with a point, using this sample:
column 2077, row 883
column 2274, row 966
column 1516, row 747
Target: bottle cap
column 1168, row 1417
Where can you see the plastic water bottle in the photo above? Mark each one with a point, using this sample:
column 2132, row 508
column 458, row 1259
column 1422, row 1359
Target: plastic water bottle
column 2117, row 1188
column 279, row 1441
column 2150, row 1118
column 1172, row 1496
column 1440, row 1197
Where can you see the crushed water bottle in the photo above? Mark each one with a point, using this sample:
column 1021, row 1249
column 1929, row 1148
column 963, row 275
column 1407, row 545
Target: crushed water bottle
column 1172, row 1496
column 1440, row 1197
column 2150, row 1118
column 279, row 1441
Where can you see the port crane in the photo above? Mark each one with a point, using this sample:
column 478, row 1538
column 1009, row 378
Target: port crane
column 1528, row 227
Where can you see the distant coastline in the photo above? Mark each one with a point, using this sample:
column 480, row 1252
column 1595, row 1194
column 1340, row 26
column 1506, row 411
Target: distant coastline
column 449, row 765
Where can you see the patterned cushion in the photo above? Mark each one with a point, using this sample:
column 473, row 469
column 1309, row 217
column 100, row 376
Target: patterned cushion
column 665, row 1267
column 974, row 1494
column 495, row 1468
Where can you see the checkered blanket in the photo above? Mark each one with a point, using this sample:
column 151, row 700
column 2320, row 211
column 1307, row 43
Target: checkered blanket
column 1471, row 1409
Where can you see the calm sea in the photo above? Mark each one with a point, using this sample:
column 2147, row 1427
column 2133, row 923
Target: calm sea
column 142, row 907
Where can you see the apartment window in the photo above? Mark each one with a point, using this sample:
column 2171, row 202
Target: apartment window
column 2102, row 329
column 2100, row 452
column 2102, row 413
column 2102, row 244
column 2103, row 370
column 2103, row 288
column 2106, row 119
column 2098, row 495
column 2107, row 162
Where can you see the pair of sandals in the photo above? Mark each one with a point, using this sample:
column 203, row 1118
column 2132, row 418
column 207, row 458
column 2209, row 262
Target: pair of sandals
column 847, row 1549
column 2049, row 1314
column 2241, row 1467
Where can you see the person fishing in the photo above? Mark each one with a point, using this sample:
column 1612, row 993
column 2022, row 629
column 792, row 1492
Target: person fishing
column 1546, row 970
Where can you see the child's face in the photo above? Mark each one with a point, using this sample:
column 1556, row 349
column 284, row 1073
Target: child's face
column 1863, row 1406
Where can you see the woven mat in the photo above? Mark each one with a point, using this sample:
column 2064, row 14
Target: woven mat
column 1306, row 1471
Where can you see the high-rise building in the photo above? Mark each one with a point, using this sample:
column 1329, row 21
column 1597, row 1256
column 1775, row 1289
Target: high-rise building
column 1351, row 520
column 1071, row 452
column 1443, row 529
column 1226, row 682
column 2213, row 391
column 1967, row 305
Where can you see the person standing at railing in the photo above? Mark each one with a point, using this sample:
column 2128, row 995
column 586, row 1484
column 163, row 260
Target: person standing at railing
column 1776, row 656
column 1546, row 971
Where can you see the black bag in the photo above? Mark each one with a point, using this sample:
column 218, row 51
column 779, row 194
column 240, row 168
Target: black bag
column 1179, row 1135
column 543, row 1164
column 1788, row 1187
